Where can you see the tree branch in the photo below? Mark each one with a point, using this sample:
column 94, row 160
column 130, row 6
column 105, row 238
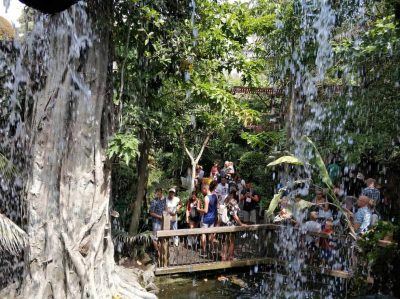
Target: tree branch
column 186, row 149
column 205, row 142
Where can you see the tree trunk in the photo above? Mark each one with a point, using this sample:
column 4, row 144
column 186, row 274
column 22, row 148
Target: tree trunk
column 192, row 186
column 143, row 175
column 194, row 161
column 70, row 253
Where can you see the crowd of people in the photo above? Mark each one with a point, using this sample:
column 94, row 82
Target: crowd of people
column 221, row 199
column 361, row 212
column 322, row 215
column 225, row 199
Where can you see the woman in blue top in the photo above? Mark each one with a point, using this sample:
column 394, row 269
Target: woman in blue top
column 209, row 211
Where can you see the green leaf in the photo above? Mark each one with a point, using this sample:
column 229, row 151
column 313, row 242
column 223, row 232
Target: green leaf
column 274, row 202
column 6, row 168
column 319, row 162
column 292, row 160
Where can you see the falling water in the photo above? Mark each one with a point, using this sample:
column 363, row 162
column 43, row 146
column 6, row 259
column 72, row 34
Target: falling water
column 307, row 116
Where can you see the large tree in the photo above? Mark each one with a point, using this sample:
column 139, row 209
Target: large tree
column 70, row 253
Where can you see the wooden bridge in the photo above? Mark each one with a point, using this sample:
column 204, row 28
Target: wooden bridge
column 253, row 245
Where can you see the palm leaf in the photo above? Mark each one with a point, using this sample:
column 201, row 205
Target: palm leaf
column 286, row 160
column 124, row 237
column 12, row 238
column 6, row 168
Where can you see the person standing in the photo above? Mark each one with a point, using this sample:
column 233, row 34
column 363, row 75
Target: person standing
column 362, row 218
column 192, row 214
column 230, row 218
column 222, row 190
column 157, row 207
column 250, row 200
column 371, row 191
column 214, row 173
column 312, row 242
column 173, row 204
column 209, row 211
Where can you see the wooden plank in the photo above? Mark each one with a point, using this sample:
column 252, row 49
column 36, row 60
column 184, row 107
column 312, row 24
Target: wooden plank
column 164, row 247
column 334, row 273
column 233, row 229
column 214, row 266
column 214, row 230
column 258, row 90
column 166, row 221
column 243, row 263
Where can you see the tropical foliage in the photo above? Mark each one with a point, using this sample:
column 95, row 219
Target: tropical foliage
column 12, row 238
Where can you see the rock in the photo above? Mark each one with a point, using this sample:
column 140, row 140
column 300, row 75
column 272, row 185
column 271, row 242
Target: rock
column 147, row 277
column 237, row 281
column 151, row 267
column 49, row 6
column 152, row 288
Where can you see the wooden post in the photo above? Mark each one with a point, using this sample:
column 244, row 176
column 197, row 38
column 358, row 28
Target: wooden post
column 164, row 241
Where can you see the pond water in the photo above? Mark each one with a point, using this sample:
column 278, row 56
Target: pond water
column 243, row 283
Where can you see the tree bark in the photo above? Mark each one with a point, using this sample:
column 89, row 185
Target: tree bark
column 70, row 252
column 143, row 175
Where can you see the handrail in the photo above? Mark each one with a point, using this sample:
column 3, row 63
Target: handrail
column 213, row 230
column 233, row 229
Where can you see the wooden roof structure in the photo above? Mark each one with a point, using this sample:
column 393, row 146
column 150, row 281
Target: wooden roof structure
column 270, row 91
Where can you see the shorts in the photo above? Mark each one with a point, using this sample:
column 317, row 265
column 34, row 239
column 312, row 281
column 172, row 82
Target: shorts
column 156, row 227
column 205, row 225
column 250, row 216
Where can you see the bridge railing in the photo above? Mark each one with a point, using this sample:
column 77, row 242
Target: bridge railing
column 182, row 250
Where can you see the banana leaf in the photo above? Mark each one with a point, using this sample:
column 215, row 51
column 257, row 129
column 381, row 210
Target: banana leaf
column 274, row 202
column 323, row 172
column 303, row 204
column 286, row 160
column 319, row 162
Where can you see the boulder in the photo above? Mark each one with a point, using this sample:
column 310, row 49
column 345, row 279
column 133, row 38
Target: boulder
column 148, row 277
column 152, row 288
column 49, row 6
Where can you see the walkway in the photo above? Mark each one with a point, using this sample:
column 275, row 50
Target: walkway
column 254, row 245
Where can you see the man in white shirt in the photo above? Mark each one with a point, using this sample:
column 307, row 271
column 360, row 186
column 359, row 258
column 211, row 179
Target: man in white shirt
column 222, row 190
column 173, row 204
